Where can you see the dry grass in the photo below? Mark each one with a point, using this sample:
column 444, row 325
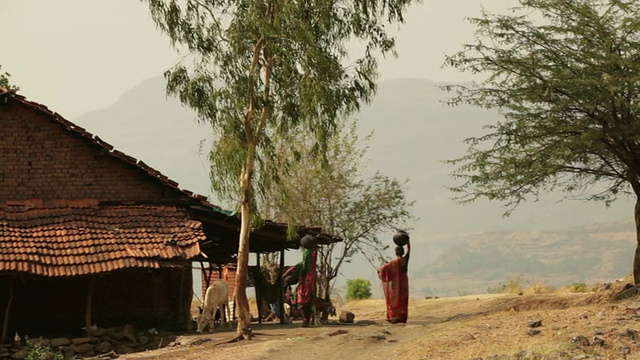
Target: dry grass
column 466, row 327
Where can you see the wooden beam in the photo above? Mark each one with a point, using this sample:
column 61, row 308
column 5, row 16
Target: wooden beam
column 184, row 313
column 88, row 305
column 256, row 282
column 207, row 275
column 280, row 284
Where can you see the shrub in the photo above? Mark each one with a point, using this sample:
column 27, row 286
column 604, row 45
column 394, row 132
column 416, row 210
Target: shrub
column 539, row 288
column 38, row 351
column 579, row 288
column 358, row 289
column 512, row 287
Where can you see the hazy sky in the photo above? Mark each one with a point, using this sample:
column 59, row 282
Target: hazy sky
column 79, row 55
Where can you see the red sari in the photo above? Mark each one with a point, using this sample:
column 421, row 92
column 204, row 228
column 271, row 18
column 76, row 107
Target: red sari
column 307, row 282
column 395, row 283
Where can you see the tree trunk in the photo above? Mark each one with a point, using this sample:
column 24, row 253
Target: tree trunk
column 243, row 329
column 328, row 278
column 636, row 259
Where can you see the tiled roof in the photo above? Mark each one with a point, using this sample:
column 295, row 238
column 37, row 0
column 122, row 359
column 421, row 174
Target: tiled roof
column 68, row 238
column 6, row 94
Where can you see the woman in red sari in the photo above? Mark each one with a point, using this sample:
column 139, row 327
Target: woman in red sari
column 307, row 284
column 395, row 283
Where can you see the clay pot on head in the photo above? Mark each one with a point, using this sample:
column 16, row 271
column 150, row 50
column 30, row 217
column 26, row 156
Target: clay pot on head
column 309, row 241
column 401, row 238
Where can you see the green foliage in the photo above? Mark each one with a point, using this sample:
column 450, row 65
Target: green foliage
column 513, row 286
column 579, row 288
column 266, row 70
column 565, row 76
column 338, row 195
column 358, row 289
column 38, row 351
column 4, row 81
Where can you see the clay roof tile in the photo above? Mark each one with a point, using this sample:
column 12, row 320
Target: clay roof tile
column 69, row 241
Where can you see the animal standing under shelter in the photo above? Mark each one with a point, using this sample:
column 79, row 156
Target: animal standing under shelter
column 216, row 298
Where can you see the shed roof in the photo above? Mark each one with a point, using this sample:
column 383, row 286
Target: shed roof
column 69, row 238
column 267, row 237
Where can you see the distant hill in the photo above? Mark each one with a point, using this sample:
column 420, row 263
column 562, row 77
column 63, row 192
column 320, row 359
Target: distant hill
column 414, row 133
column 590, row 254
column 147, row 125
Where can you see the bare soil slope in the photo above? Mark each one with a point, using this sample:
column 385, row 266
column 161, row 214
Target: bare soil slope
column 598, row 325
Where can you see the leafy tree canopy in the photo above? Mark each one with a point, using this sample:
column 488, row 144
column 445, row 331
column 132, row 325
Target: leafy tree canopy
column 267, row 69
column 565, row 75
column 341, row 197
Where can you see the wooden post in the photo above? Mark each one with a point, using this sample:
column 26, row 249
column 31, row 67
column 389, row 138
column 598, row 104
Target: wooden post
column 207, row 275
column 88, row 305
column 183, row 311
column 233, row 316
column 256, row 281
column 7, row 310
column 280, row 284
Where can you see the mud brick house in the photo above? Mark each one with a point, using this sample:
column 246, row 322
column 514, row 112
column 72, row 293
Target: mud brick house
column 87, row 233
column 91, row 235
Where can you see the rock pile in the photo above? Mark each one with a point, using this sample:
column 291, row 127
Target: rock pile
column 114, row 340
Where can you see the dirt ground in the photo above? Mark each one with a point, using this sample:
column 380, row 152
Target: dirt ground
column 594, row 325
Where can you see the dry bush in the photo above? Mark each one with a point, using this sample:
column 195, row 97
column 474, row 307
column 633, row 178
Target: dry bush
column 539, row 288
column 513, row 286
column 576, row 288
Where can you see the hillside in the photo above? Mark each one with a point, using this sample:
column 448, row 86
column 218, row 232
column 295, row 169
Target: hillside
column 147, row 125
column 588, row 254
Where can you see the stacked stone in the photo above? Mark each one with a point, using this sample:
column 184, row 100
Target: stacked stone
column 117, row 340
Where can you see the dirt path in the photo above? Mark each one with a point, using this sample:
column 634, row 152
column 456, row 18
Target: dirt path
column 471, row 327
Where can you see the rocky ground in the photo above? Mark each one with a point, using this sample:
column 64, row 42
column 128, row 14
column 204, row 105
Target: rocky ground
column 598, row 325
column 105, row 343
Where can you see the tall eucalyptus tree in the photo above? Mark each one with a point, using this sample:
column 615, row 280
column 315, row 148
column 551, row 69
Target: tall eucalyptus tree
column 268, row 69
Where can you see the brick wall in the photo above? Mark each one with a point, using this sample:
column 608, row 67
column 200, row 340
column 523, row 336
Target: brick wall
column 41, row 159
column 231, row 281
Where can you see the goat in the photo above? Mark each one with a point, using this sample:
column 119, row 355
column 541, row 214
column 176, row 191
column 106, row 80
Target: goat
column 324, row 307
column 216, row 299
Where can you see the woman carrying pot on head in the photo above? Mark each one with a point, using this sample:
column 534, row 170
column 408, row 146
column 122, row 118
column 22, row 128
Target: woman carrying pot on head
column 395, row 281
column 304, row 274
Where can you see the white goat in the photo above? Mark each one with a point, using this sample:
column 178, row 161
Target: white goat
column 216, row 298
